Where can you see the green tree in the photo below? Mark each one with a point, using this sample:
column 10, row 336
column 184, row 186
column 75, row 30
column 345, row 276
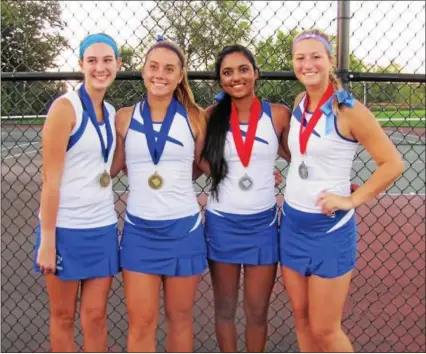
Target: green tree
column 358, row 89
column 203, row 28
column 126, row 92
column 274, row 54
column 30, row 42
column 386, row 92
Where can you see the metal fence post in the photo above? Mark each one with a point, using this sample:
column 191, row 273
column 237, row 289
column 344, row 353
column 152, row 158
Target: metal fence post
column 343, row 22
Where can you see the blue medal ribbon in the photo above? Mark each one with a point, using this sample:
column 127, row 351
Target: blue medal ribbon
column 87, row 104
column 342, row 97
column 156, row 148
column 219, row 96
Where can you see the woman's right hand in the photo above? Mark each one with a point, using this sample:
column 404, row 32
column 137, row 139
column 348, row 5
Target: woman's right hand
column 46, row 259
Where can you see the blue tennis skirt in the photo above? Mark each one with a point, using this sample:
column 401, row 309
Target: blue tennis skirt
column 242, row 239
column 317, row 244
column 84, row 253
column 164, row 247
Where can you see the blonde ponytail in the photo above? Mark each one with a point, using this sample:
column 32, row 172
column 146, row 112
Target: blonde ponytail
column 185, row 96
column 337, row 85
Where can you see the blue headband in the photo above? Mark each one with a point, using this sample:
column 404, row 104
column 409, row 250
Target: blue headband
column 98, row 38
column 312, row 36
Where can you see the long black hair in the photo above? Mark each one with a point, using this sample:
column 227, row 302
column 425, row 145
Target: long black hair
column 218, row 123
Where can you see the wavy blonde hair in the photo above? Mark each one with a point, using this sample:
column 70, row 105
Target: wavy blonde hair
column 335, row 81
column 183, row 92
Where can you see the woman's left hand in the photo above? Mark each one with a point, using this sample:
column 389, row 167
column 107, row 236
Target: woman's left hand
column 278, row 178
column 330, row 202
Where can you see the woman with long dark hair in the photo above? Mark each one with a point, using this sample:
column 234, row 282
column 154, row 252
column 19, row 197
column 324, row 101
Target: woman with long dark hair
column 241, row 145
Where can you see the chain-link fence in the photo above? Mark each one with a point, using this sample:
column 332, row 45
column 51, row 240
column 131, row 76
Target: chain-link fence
column 381, row 56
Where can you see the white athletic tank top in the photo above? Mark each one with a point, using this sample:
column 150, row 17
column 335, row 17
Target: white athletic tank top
column 232, row 199
column 176, row 198
column 83, row 202
column 328, row 157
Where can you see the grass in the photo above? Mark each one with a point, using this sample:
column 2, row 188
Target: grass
column 410, row 124
column 23, row 121
column 417, row 113
column 399, row 118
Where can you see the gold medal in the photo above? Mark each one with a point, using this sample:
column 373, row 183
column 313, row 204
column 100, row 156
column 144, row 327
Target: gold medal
column 155, row 181
column 105, row 179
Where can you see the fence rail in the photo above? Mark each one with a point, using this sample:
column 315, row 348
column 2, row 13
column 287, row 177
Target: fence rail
column 383, row 65
column 206, row 75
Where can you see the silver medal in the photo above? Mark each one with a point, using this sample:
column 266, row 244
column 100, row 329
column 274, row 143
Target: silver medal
column 245, row 183
column 303, row 170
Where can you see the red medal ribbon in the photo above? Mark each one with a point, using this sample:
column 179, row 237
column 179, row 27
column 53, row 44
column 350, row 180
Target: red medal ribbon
column 244, row 149
column 305, row 133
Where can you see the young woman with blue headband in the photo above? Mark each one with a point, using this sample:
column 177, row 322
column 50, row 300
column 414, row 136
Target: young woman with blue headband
column 77, row 239
column 318, row 226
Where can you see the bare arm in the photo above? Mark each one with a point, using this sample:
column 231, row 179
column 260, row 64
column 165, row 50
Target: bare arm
column 365, row 128
column 196, row 171
column 281, row 118
column 201, row 165
column 122, row 122
column 59, row 124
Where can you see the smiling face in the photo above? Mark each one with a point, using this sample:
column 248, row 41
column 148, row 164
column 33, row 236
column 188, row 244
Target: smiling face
column 237, row 75
column 312, row 63
column 162, row 72
column 99, row 66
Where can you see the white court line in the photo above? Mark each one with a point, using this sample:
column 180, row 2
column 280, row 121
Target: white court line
column 417, row 138
column 24, row 153
column 19, row 145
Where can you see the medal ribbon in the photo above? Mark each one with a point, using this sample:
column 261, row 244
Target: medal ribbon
column 304, row 134
column 87, row 104
column 244, row 149
column 156, row 148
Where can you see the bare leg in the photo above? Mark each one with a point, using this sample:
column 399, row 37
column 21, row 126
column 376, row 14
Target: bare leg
column 142, row 292
column 179, row 294
column 296, row 286
column 225, row 280
column 93, row 306
column 326, row 300
column 63, row 304
column 258, row 284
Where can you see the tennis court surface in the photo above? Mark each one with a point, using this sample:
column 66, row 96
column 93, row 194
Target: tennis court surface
column 384, row 312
